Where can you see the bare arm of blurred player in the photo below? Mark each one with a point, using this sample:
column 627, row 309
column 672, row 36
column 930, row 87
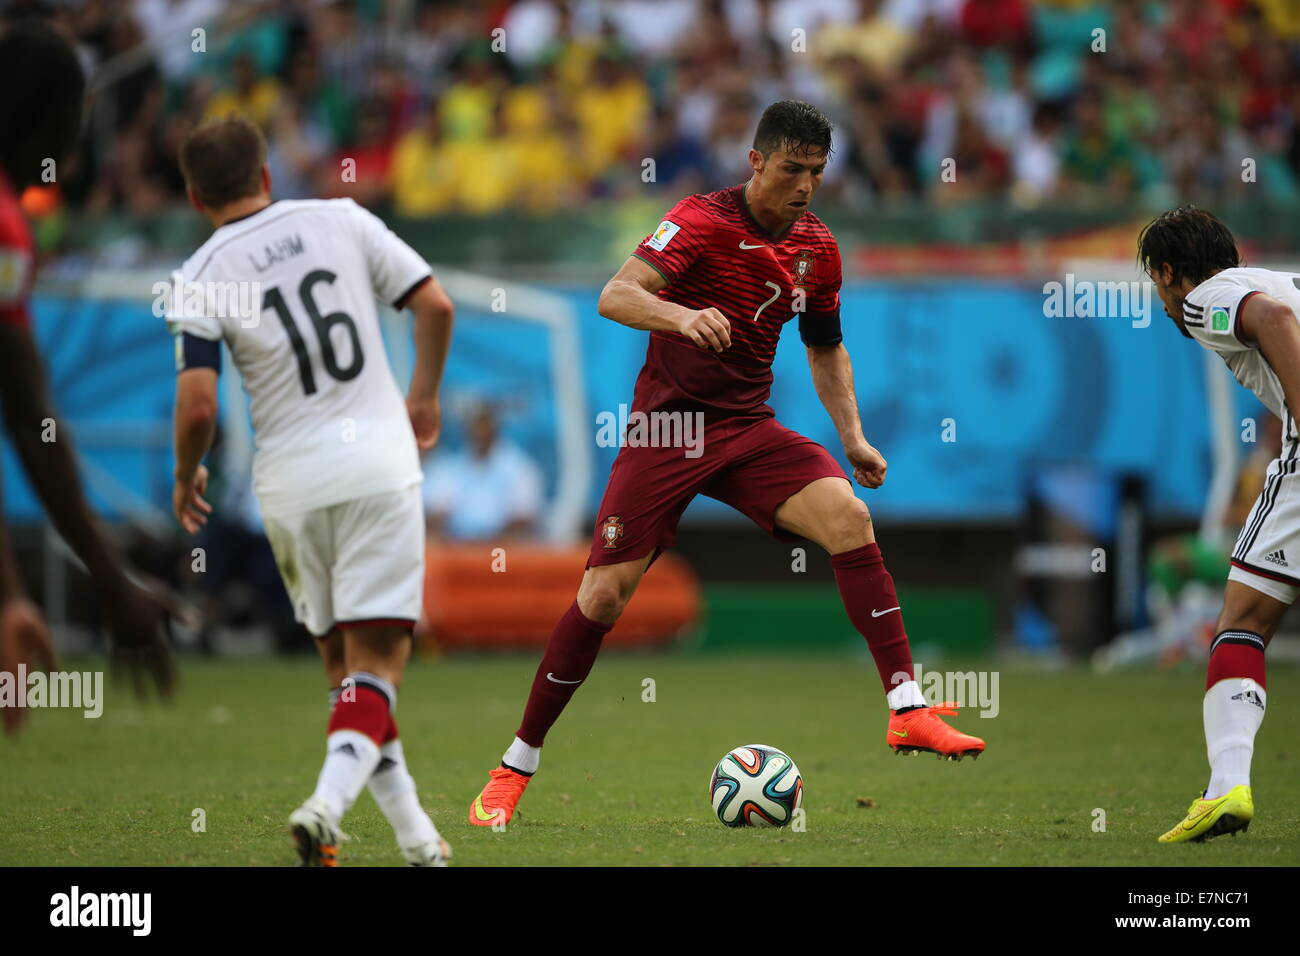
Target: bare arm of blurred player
column 434, row 316
column 1271, row 323
column 629, row 299
column 24, row 638
column 134, row 616
column 832, row 375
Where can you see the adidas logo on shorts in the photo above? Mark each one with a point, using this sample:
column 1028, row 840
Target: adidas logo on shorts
column 1277, row 557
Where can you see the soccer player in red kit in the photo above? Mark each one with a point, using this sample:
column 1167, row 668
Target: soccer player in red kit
column 37, row 126
column 714, row 284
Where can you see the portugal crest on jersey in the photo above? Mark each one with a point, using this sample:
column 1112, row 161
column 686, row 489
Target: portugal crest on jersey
column 611, row 531
column 803, row 266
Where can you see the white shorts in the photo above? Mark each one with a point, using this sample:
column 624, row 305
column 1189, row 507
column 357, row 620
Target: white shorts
column 1266, row 556
column 359, row 561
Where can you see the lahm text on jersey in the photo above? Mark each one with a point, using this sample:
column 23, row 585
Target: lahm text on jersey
column 276, row 252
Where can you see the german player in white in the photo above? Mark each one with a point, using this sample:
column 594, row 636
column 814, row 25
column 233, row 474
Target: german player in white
column 1249, row 318
column 290, row 288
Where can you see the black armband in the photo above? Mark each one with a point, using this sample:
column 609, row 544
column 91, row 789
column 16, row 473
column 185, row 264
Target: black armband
column 820, row 328
column 193, row 351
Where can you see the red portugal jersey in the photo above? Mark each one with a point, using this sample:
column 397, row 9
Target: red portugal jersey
column 16, row 258
column 714, row 254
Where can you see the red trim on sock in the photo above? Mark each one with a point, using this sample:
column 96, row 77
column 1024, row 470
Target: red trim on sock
column 1238, row 661
column 390, row 734
column 365, row 712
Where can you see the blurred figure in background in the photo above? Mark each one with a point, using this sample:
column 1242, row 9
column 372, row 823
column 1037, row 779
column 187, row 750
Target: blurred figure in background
column 490, row 491
column 1185, row 573
column 41, row 124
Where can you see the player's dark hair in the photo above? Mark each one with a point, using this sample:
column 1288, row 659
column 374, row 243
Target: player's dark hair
column 40, row 111
column 222, row 160
column 795, row 127
column 1194, row 242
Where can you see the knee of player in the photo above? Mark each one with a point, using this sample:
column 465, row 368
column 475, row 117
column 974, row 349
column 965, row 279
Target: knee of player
column 602, row 602
column 851, row 527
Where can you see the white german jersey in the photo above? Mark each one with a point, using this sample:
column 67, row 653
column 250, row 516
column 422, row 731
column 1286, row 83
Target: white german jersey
column 329, row 420
column 1211, row 313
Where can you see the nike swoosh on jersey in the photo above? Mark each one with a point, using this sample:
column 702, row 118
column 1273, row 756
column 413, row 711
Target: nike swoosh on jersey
column 875, row 613
column 743, row 246
column 555, row 680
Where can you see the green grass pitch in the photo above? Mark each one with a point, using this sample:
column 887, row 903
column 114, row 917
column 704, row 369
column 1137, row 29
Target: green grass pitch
column 624, row 781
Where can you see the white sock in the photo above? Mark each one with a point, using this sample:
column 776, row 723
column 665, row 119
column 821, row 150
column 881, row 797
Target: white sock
column 393, row 788
column 1233, row 710
column 350, row 759
column 906, row 694
column 522, row 757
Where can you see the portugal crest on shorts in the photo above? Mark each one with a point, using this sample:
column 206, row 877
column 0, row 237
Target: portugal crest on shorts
column 803, row 266
column 611, row 531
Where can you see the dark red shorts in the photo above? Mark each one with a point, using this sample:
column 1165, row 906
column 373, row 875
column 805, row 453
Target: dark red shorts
column 753, row 464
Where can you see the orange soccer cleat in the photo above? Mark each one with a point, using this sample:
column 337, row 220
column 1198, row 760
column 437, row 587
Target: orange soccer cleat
column 499, row 798
column 921, row 729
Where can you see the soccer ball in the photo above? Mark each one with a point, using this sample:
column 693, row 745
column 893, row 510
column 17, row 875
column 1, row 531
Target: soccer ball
column 756, row 786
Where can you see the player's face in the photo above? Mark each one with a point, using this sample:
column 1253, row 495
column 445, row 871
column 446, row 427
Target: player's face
column 1171, row 295
column 787, row 180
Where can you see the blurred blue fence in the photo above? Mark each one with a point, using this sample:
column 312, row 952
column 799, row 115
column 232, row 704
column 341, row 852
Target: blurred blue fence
column 1017, row 386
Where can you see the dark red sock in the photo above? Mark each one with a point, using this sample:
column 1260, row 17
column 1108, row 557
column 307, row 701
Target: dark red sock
column 1236, row 654
column 867, row 591
column 365, row 710
column 570, row 652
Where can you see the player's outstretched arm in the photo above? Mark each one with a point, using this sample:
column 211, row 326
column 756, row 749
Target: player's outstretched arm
column 47, row 457
column 1272, row 324
column 134, row 615
column 630, row 298
column 832, row 375
column 434, row 317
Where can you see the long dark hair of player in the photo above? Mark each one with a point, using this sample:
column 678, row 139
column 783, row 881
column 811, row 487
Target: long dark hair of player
column 1194, row 242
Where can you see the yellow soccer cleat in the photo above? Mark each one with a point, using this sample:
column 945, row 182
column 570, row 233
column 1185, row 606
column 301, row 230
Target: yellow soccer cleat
column 1230, row 813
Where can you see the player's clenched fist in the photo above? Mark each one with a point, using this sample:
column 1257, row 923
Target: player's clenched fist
column 707, row 328
column 868, row 464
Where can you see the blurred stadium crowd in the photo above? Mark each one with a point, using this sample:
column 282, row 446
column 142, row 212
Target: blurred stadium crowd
column 577, row 94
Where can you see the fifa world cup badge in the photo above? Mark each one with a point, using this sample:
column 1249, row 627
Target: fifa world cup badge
column 803, row 264
column 612, row 530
